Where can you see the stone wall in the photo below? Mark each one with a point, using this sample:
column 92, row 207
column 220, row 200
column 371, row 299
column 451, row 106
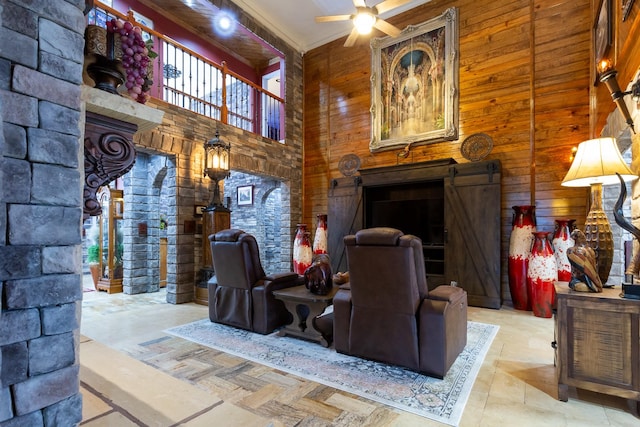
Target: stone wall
column 41, row 58
column 616, row 127
column 262, row 218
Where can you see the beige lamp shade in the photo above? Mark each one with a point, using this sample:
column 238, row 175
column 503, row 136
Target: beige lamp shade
column 597, row 161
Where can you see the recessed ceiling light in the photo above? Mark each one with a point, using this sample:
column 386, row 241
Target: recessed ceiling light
column 224, row 23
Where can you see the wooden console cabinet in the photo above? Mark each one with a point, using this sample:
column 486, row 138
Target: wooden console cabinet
column 597, row 343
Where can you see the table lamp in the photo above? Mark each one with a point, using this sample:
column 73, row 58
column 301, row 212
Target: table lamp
column 596, row 163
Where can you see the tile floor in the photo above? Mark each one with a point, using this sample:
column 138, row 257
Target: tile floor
column 133, row 374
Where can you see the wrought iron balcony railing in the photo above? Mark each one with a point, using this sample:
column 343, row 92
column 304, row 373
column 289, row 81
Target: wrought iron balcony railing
column 196, row 83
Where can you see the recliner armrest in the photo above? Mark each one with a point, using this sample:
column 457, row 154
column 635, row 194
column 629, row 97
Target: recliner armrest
column 274, row 282
column 288, row 275
column 346, row 286
column 341, row 320
column 432, row 307
column 446, row 293
column 443, row 329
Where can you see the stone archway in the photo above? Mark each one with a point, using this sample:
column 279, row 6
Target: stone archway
column 270, row 225
column 267, row 218
column 147, row 193
column 160, row 213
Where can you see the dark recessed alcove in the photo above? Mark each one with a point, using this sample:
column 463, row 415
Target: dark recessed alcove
column 414, row 208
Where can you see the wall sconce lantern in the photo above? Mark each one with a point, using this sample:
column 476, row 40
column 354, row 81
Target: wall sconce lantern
column 216, row 166
column 610, row 80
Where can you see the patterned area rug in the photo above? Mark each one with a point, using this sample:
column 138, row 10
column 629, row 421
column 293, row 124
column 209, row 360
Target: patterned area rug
column 440, row 400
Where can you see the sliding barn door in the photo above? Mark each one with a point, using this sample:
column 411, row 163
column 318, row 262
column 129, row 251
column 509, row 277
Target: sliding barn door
column 472, row 227
column 344, row 218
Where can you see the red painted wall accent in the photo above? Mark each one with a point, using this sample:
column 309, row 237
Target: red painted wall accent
column 190, row 40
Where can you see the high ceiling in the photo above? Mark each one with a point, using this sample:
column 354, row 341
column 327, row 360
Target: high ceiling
column 294, row 20
column 291, row 20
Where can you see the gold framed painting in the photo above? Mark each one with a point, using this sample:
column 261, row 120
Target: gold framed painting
column 414, row 85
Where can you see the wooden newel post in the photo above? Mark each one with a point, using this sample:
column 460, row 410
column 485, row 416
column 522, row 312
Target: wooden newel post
column 224, row 111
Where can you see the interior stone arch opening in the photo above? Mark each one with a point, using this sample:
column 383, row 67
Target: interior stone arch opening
column 150, row 212
column 265, row 217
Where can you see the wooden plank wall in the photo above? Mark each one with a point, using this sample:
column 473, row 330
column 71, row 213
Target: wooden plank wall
column 624, row 55
column 524, row 80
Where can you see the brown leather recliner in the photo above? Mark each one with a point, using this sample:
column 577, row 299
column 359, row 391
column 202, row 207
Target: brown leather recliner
column 386, row 312
column 240, row 293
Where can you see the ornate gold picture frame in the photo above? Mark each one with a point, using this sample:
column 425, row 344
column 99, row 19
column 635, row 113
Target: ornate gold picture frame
column 414, row 85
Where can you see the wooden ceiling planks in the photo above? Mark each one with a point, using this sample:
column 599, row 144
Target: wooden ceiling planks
column 198, row 17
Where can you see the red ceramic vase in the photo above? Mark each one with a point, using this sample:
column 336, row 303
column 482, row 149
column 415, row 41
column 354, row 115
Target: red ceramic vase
column 561, row 242
column 523, row 225
column 541, row 275
column 302, row 253
column 320, row 239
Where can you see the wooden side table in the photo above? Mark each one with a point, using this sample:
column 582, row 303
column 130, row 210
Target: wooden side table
column 598, row 343
column 303, row 325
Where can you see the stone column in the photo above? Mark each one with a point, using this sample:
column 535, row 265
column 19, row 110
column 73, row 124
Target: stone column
column 40, row 212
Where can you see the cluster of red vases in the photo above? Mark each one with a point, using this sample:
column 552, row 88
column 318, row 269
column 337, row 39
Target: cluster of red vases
column 302, row 250
column 536, row 263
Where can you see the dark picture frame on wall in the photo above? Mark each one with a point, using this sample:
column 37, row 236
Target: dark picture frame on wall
column 602, row 35
column 245, row 195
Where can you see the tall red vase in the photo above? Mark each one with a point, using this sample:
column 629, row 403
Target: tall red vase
column 523, row 225
column 320, row 239
column 542, row 273
column 302, row 252
column 561, row 242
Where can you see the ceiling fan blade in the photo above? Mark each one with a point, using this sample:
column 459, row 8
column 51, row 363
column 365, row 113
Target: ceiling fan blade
column 359, row 3
column 387, row 5
column 332, row 18
column 387, row 28
column 352, row 38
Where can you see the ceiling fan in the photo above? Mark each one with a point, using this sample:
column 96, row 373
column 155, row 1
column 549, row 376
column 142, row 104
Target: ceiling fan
column 366, row 17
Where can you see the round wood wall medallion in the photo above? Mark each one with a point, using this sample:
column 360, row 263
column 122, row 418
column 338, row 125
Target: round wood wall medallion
column 349, row 164
column 476, row 147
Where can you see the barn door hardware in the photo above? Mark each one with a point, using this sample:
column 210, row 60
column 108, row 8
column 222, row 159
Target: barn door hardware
column 452, row 173
column 357, row 181
column 491, row 169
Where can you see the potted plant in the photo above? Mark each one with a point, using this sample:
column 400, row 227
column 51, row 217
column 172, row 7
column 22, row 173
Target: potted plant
column 93, row 260
column 93, row 254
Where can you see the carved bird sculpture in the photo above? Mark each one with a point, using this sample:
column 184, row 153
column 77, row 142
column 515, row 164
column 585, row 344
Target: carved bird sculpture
column 584, row 270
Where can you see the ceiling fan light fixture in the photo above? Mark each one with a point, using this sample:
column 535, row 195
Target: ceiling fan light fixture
column 363, row 21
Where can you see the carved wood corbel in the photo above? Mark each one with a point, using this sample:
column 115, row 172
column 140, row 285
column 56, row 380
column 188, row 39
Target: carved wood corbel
column 109, row 153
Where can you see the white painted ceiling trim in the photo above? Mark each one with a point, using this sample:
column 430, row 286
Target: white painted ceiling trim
column 294, row 20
